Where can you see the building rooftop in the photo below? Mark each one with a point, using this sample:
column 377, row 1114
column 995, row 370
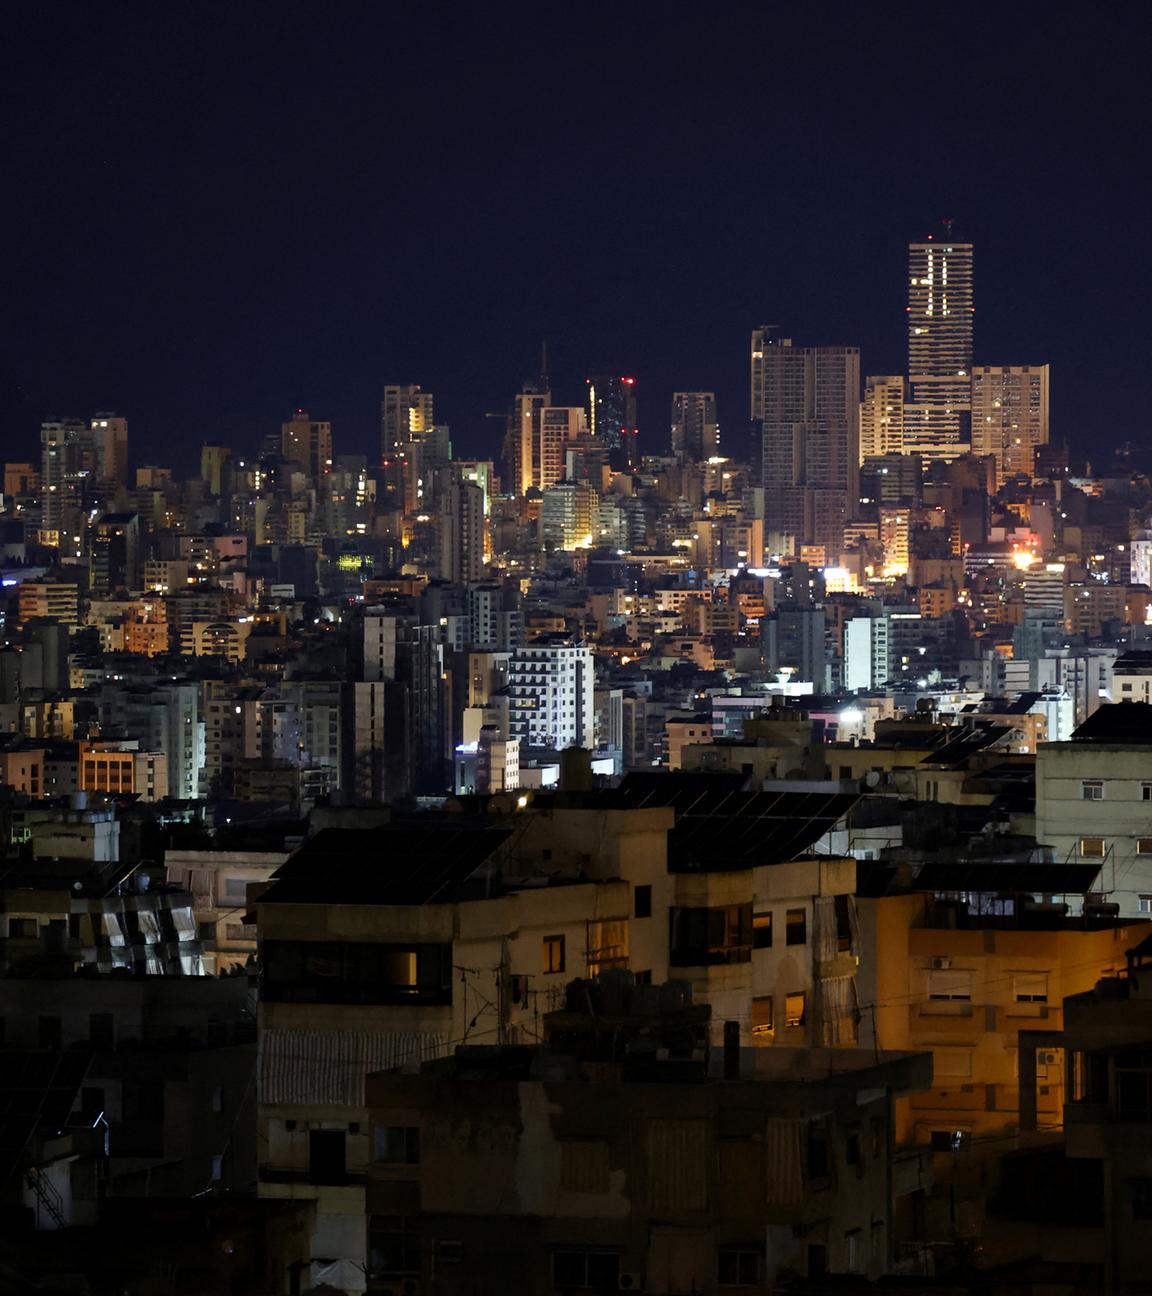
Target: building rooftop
column 1118, row 722
column 409, row 863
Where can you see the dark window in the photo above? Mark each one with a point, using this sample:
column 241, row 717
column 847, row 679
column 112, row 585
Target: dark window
column 946, row 1140
column 21, row 928
column 393, row 1248
column 74, row 926
column 326, row 1164
column 357, row 972
column 852, row 1146
column 817, row 1151
column 102, row 1030
column 738, row 1267
column 762, row 931
column 206, row 931
column 49, row 1033
column 1142, row 1199
column 396, row 1144
column 817, row 1260
column 595, row 1270
column 642, row 902
column 843, row 905
column 701, row 937
column 796, row 927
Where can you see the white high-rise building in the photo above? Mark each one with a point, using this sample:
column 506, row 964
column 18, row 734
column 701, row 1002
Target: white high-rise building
column 551, row 687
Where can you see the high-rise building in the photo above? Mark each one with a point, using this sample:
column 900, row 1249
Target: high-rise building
column 114, row 554
column 937, row 417
column 461, row 521
column 882, row 416
column 406, row 414
column 68, row 465
column 213, row 457
column 612, row 416
column 307, row 442
column 695, row 429
column 805, row 403
column 551, row 686
column 522, row 439
column 110, row 438
column 560, row 426
column 1009, row 416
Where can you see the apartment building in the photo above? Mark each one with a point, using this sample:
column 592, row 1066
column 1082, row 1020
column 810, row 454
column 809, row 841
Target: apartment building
column 634, row 1162
column 1094, row 803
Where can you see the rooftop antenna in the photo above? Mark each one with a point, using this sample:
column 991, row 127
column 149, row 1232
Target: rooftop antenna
column 947, row 224
column 544, row 365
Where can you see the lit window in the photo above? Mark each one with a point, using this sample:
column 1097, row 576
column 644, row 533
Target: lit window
column 553, row 953
column 794, row 1008
column 1092, row 847
column 763, row 1015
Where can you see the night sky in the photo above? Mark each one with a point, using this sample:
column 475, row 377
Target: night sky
column 213, row 213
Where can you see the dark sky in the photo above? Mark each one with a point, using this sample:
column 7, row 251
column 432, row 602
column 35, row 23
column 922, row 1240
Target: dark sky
column 214, row 212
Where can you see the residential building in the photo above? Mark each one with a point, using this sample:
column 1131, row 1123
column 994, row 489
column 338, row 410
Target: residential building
column 648, row 1166
column 307, row 442
column 805, row 403
column 1010, row 416
column 882, row 417
column 551, row 680
column 1094, row 803
column 695, row 426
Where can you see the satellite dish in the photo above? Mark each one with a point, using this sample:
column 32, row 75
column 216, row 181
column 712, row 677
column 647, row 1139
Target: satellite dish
column 872, row 779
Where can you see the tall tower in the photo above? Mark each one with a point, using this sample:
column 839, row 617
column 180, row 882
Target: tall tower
column 695, row 430
column 1010, row 416
column 938, row 415
column 110, row 436
column 69, row 466
column 805, row 401
column 612, row 416
column 405, row 415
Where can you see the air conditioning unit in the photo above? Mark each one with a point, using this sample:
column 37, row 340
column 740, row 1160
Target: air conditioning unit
column 940, row 963
column 630, row 1282
column 1047, row 1059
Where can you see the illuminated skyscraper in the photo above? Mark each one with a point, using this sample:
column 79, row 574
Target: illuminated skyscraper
column 406, row 415
column 612, row 416
column 695, row 430
column 937, row 417
column 1010, row 416
column 882, row 417
column 805, row 403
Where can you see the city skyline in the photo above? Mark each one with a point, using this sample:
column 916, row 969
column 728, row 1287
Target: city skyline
column 205, row 312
